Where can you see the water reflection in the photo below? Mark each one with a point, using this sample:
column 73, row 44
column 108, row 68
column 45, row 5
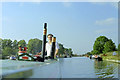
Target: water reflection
column 78, row 67
column 104, row 69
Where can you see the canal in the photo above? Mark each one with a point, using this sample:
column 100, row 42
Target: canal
column 76, row 67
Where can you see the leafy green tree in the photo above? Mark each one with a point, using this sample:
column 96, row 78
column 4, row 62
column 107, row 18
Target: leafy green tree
column 88, row 53
column 99, row 44
column 0, row 46
column 34, row 46
column 70, row 52
column 66, row 51
column 61, row 49
column 6, row 43
column 22, row 43
column 15, row 47
column 109, row 46
column 15, row 44
column 7, row 47
column 119, row 47
column 95, row 52
column 7, row 51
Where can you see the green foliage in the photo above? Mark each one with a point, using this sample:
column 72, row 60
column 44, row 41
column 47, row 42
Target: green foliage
column 64, row 51
column 6, row 43
column 15, row 44
column 95, row 52
column 22, row 43
column 7, row 47
column 0, row 46
column 61, row 49
column 102, row 45
column 88, row 53
column 109, row 46
column 34, row 46
column 0, row 56
column 75, row 55
column 99, row 44
column 119, row 47
column 70, row 52
column 111, row 57
column 15, row 47
column 15, row 51
column 7, row 51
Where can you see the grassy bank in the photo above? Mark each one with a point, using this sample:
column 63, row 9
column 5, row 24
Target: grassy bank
column 110, row 56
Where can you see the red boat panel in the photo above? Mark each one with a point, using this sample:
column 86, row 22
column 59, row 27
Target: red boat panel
column 37, row 55
column 24, row 57
column 22, row 51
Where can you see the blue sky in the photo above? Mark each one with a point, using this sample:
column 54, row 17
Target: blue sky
column 75, row 24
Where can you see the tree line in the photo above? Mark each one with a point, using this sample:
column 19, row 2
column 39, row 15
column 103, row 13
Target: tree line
column 103, row 45
column 9, row 47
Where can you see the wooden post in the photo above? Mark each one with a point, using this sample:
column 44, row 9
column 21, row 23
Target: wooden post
column 53, row 47
column 44, row 41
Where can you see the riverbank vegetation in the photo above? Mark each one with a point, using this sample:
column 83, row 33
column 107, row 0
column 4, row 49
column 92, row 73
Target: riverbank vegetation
column 110, row 56
column 105, row 47
column 9, row 47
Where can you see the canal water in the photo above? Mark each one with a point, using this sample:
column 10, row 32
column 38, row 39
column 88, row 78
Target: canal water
column 76, row 67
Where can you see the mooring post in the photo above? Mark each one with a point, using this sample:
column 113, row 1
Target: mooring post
column 44, row 41
column 53, row 47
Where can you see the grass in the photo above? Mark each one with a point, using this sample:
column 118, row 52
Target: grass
column 110, row 56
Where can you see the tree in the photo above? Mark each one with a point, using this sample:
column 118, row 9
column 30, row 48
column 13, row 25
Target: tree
column 15, row 44
column 15, row 47
column 61, row 49
column 95, row 52
column 7, row 51
column 119, row 47
column 88, row 53
column 34, row 46
column 22, row 43
column 109, row 46
column 70, row 52
column 99, row 44
column 66, row 51
column 6, row 43
column 0, row 46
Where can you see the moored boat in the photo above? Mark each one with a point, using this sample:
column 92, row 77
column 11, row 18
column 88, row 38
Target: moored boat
column 96, row 57
column 12, row 57
column 23, row 55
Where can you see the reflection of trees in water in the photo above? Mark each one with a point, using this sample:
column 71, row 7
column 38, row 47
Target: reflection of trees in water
column 104, row 69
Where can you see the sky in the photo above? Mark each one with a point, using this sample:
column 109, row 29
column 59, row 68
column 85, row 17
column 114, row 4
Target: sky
column 76, row 25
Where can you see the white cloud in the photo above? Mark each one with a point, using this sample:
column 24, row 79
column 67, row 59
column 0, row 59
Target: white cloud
column 108, row 21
